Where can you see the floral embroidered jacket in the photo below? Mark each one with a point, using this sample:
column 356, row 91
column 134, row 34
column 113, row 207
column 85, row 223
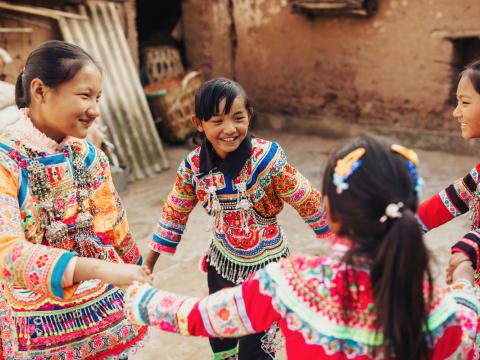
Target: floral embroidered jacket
column 270, row 180
column 304, row 296
column 456, row 199
column 39, row 318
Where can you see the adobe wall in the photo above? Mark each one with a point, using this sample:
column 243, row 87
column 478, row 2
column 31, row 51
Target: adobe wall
column 391, row 70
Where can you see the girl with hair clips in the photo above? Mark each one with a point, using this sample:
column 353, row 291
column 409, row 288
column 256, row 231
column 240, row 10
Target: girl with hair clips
column 463, row 195
column 242, row 182
column 372, row 298
column 60, row 216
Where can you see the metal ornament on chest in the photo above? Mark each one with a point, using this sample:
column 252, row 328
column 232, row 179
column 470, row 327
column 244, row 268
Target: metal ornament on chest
column 56, row 231
column 243, row 205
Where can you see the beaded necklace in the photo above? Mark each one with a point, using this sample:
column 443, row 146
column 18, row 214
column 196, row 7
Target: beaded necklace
column 57, row 232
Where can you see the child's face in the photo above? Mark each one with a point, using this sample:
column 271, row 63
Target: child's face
column 226, row 131
column 467, row 111
column 71, row 108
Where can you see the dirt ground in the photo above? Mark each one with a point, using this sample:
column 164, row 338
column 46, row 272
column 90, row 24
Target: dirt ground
column 179, row 273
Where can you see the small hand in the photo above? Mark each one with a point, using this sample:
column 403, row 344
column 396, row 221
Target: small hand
column 455, row 260
column 122, row 275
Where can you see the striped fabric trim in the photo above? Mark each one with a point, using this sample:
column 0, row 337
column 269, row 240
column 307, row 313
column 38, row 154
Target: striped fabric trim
column 448, row 204
column 182, row 314
column 457, row 201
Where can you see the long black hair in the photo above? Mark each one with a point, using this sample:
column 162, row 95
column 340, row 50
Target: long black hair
column 209, row 96
column 54, row 62
column 399, row 260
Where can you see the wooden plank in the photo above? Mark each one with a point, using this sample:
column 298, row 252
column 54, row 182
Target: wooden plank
column 118, row 118
column 154, row 139
column 40, row 11
column 120, row 77
column 15, row 30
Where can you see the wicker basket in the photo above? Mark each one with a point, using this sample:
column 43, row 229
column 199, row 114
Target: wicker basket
column 172, row 103
column 162, row 62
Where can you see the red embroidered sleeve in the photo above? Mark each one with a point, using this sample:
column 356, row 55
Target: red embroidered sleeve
column 231, row 312
column 451, row 202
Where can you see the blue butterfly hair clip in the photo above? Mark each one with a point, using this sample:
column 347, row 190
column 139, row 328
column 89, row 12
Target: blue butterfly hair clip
column 345, row 167
column 412, row 164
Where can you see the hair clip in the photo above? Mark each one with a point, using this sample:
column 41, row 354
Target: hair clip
column 392, row 211
column 412, row 163
column 345, row 167
column 407, row 153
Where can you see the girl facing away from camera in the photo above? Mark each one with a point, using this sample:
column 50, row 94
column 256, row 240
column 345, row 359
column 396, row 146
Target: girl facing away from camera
column 463, row 195
column 373, row 297
column 62, row 224
column 242, row 182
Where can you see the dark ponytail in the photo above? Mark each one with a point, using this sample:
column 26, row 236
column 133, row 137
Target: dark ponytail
column 398, row 258
column 398, row 272
column 19, row 93
column 54, row 62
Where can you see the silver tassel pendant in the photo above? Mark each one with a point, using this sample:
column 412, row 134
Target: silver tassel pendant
column 215, row 210
column 244, row 205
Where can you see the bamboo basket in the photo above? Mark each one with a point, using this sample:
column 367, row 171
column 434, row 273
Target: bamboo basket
column 161, row 63
column 172, row 102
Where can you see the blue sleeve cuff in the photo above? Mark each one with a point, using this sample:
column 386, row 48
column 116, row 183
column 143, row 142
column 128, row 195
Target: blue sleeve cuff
column 57, row 273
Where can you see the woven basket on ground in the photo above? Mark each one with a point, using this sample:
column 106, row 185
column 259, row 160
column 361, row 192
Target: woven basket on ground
column 172, row 103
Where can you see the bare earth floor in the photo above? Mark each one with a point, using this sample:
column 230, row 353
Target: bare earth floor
column 179, row 273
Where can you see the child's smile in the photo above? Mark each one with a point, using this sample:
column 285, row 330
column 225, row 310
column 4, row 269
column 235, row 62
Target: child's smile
column 467, row 111
column 226, row 131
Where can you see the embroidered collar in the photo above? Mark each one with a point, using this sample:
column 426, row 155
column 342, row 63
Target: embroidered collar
column 24, row 131
column 231, row 165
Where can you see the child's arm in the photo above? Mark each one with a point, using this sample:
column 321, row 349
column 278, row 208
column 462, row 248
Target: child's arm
column 120, row 275
column 451, row 202
column 231, row 312
column 466, row 249
column 292, row 187
column 178, row 206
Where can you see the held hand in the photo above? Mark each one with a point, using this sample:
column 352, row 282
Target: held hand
column 151, row 260
column 124, row 275
column 455, row 260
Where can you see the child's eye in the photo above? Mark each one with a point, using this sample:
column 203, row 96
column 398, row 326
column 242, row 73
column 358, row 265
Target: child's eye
column 85, row 96
column 240, row 118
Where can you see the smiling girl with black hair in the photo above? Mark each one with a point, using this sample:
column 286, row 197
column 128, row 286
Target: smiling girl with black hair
column 242, row 182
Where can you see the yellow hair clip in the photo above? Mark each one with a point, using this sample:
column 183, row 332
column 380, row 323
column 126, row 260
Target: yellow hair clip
column 406, row 153
column 412, row 163
column 345, row 167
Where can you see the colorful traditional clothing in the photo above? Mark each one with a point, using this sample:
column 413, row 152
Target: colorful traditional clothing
column 456, row 199
column 41, row 317
column 243, row 195
column 320, row 316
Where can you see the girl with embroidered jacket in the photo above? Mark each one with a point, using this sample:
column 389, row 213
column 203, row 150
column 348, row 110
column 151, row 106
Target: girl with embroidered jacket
column 242, row 182
column 60, row 216
column 372, row 298
column 463, row 195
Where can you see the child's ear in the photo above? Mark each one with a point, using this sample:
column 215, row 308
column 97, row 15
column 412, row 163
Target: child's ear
column 37, row 90
column 197, row 123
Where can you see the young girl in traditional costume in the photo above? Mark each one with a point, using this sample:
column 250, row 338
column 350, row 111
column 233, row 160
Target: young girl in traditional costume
column 464, row 194
column 372, row 298
column 59, row 217
column 242, row 182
